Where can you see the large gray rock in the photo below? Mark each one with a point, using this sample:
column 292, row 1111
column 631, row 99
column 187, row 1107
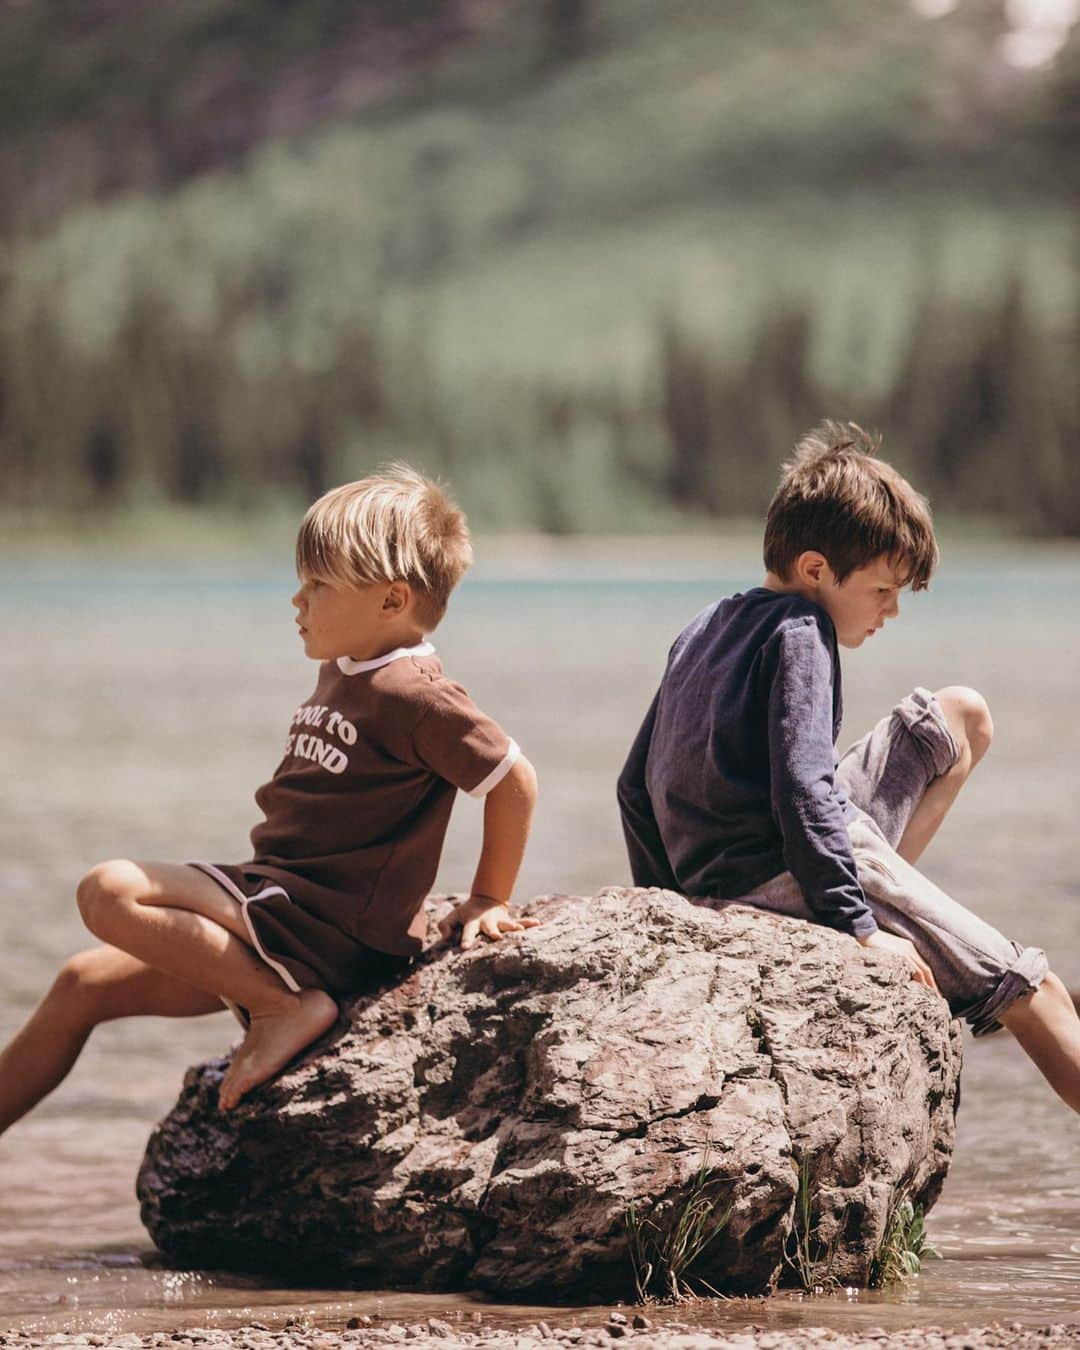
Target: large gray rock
column 489, row 1121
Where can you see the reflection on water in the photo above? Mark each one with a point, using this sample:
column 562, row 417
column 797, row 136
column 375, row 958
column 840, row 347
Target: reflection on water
column 142, row 711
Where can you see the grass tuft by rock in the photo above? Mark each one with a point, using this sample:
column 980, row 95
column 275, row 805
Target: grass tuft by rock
column 810, row 1261
column 904, row 1244
column 662, row 1252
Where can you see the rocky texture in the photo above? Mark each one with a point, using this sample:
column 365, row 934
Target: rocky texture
column 487, row 1122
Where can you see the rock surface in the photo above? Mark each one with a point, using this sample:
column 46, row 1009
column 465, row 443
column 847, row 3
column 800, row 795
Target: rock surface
column 488, row 1121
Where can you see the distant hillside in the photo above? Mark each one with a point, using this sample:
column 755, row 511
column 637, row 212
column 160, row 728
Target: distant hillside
column 100, row 96
column 599, row 261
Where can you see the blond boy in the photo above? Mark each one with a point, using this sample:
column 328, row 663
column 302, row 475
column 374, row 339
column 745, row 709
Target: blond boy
column 355, row 818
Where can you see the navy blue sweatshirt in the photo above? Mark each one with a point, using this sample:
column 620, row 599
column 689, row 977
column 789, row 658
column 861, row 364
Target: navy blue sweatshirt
column 731, row 779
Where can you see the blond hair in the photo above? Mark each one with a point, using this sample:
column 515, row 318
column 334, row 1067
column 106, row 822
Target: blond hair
column 837, row 498
column 396, row 525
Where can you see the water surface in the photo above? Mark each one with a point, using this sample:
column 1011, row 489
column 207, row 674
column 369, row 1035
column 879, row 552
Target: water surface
column 143, row 706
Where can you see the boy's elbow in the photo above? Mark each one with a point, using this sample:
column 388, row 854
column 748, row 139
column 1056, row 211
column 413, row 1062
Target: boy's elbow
column 519, row 784
column 629, row 790
column 525, row 779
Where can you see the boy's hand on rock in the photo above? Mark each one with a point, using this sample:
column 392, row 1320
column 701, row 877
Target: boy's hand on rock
column 890, row 942
column 482, row 916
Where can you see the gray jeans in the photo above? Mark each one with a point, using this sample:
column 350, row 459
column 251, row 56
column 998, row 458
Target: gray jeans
column 885, row 774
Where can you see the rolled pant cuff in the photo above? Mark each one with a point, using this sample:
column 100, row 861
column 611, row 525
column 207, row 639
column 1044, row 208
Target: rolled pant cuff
column 921, row 713
column 1024, row 976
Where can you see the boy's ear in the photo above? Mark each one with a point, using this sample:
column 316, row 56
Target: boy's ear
column 396, row 600
column 812, row 568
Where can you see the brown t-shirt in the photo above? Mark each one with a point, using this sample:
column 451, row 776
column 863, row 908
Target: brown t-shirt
column 357, row 810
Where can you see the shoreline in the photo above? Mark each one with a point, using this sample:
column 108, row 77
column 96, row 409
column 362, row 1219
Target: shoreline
column 175, row 533
column 634, row 1327
column 227, row 550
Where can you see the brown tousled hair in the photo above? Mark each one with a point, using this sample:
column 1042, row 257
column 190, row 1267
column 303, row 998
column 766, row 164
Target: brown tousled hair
column 396, row 525
column 838, row 498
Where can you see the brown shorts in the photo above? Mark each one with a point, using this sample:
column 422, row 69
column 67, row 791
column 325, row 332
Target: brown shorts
column 301, row 947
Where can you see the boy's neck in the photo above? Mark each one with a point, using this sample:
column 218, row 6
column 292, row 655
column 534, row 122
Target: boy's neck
column 774, row 583
column 392, row 642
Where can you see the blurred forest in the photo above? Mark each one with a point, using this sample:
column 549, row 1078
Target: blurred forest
column 596, row 261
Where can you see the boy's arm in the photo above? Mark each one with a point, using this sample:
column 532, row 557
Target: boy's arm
column 508, row 810
column 817, row 848
column 461, row 744
column 649, row 863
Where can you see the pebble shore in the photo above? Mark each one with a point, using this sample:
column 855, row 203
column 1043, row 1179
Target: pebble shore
column 635, row 1328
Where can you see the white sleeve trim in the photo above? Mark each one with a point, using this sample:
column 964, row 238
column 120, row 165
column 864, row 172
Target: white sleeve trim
column 499, row 772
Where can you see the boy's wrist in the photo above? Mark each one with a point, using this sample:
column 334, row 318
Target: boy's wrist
column 485, row 901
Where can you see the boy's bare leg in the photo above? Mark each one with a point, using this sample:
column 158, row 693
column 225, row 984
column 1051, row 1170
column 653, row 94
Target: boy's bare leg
column 969, row 721
column 1047, row 1026
column 179, row 920
column 94, row 986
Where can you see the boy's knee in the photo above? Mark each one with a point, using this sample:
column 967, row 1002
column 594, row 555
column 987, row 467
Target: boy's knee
column 968, row 716
column 79, row 982
column 102, row 887
column 1056, row 986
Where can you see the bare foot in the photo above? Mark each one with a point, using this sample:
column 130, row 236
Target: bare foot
column 272, row 1040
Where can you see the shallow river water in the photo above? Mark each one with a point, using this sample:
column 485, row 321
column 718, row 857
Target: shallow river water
column 144, row 704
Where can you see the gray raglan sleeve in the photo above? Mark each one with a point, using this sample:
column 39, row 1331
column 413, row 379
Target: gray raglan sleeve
column 817, row 849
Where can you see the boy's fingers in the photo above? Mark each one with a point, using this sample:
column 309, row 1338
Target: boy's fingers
column 492, row 924
column 927, row 975
column 450, row 921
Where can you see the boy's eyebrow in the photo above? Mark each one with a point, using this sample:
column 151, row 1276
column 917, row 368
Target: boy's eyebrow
column 897, row 580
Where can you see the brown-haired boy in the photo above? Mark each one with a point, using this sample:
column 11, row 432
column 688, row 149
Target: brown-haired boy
column 356, row 814
column 733, row 789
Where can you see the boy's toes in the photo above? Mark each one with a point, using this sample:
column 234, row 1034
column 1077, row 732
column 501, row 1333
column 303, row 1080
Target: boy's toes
column 229, row 1093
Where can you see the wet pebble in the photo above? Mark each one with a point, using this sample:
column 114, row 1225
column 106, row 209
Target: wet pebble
column 299, row 1334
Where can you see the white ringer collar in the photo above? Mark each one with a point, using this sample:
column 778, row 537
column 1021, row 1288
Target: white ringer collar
column 348, row 666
